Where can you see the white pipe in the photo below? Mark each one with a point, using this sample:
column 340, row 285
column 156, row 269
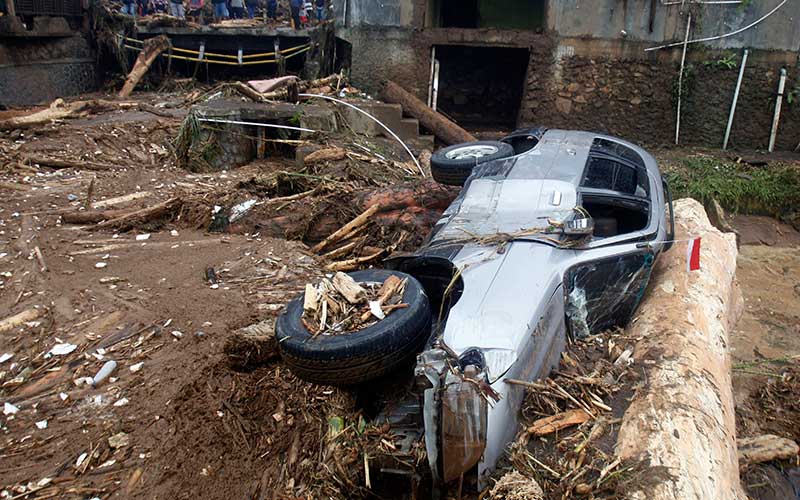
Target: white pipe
column 435, row 101
column 328, row 98
column 256, row 124
column 680, row 80
column 726, row 35
column 777, row 116
column 430, row 78
column 735, row 99
column 704, row 2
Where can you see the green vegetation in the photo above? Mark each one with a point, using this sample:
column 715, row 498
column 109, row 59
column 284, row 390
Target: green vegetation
column 771, row 189
column 728, row 61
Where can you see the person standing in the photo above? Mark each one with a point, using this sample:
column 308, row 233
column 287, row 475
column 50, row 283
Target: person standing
column 320, row 4
column 272, row 9
column 237, row 9
column 251, row 8
column 177, row 9
column 220, row 10
column 295, row 6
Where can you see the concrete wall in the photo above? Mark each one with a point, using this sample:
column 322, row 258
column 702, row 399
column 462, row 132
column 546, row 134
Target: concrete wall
column 608, row 18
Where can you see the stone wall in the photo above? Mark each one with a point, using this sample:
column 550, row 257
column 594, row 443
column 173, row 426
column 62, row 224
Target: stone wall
column 38, row 70
column 636, row 100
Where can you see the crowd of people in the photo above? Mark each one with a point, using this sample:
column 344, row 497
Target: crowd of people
column 303, row 12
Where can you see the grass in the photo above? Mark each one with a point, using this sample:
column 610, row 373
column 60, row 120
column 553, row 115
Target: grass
column 769, row 190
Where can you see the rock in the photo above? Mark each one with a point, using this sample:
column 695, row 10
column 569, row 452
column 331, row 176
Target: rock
column 564, row 106
column 579, row 99
column 636, row 101
column 573, row 87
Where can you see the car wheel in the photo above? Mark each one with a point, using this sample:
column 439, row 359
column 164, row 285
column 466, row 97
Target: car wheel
column 452, row 165
column 355, row 357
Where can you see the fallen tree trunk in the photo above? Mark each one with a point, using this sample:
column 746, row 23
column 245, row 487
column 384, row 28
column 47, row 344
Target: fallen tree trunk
column 441, row 127
column 132, row 219
column 681, row 422
column 252, row 345
column 58, row 110
column 61, row 163
column 91, row 216
column 19, row 319
column 153, row 47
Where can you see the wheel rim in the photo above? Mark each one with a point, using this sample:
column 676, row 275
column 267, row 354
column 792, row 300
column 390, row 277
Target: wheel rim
column 467, row 152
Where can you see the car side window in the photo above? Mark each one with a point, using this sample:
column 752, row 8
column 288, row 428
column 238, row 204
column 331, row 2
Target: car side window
column 604, row 173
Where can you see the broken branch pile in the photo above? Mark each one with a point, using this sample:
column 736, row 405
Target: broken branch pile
column 341, row 305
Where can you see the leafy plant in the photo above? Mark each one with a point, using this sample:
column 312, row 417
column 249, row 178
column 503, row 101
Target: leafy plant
column 728, row 61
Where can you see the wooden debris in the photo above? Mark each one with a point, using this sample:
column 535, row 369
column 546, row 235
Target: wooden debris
column 349, row 289
column 130, row 220
column 310, row 299
column 755, row 450
column 555, row 423
column 348, row 228
column 19, row 319
column 342, row 305
column 91, row 216
column 38, row 253
column 252, row 345
column 119, row 200
column 63, row 163
column 323, row 155
column 355, row 262
column 443, row 128
column 58, row 110
column 153, row 47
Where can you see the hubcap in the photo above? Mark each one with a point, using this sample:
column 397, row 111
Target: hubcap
column 467, row 152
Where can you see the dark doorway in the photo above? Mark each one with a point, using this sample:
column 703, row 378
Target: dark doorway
column 481, row 86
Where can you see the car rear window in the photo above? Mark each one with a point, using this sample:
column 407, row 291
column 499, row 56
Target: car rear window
column 606, row 173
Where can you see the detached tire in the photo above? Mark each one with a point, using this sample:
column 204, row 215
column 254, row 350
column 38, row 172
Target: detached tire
column 452, row 165
column 352, row 358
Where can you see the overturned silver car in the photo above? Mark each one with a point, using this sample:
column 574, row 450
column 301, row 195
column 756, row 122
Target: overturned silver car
column 553, row 234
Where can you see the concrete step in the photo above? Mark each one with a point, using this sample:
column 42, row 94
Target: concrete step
column 421, row 142
column 389, row 114
column 407, row 129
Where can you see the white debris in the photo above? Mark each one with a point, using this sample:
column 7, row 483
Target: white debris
column 121, row 402
column 81, row 459
column 41, row 424
column 101, row 265
column 63, row 395
column 6, row 356
column 173, row 233
column 104, row 372
column 83, row 381
column 135, row 368
column 119, row 440
column 62, row 349
column 238, row 211
column 142, row 237
column 9, row 409
column 375, row 309
column 176, row 334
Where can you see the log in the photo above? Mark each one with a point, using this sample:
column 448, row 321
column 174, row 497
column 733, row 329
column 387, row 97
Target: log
column 444, row 129
column 91, row 216
column 759, row 449
column 253, row 345
column 354, row 263
column 131, row 219
column 64, row 163
column 681, row 421
column 323, row 155
column 153, row 47
column 348, row 288
column 119, row 200
column 557, row 422
column 343, row 231
column 19, row 319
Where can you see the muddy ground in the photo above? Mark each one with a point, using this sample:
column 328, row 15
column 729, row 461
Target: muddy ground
column 174, row 420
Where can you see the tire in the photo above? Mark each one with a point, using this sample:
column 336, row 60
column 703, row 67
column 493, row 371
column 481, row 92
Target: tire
column 352, row 358
column 447, row 168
